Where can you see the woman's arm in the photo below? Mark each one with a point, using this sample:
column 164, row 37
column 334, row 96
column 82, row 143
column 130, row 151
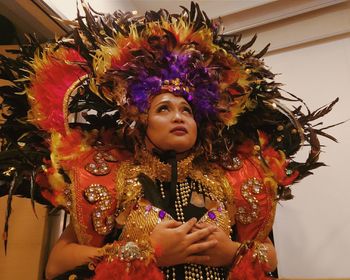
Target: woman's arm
column 225, row 250
column 68, row 254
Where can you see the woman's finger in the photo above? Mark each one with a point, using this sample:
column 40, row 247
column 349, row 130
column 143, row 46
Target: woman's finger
column 202, row 225
column 200, row 247
column 200, row 234
column 186, row 227
column 171, row 224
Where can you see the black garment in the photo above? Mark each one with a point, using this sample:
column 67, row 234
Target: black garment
column 188, row 271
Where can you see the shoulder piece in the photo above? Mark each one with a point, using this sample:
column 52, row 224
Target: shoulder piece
column 255, row 193
column 91, row 196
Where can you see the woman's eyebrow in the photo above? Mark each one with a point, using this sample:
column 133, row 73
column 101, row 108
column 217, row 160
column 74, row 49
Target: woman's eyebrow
column 163, row 102
column 185, row 103
column 167, row 102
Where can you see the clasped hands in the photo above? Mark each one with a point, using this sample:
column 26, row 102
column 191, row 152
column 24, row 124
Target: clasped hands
column 191, row 242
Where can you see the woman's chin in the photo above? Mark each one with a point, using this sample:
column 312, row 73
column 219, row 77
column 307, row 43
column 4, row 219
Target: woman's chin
column 181, row 149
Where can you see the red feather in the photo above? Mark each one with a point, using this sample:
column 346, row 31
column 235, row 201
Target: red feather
column 53, row 78
column 118, row 269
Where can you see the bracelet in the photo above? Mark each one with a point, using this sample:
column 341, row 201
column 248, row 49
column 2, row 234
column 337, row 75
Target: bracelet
column 241, row 251
column 127, row 251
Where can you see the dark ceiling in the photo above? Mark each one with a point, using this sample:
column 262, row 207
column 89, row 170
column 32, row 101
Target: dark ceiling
column 18, row 18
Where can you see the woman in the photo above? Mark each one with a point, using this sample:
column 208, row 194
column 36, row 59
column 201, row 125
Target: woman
column 185, row 239
column 168, row 147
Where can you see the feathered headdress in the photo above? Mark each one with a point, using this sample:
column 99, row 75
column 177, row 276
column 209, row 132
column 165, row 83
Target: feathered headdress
column 104, row 74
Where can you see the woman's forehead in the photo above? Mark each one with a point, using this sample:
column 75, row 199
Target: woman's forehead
column 168, row 98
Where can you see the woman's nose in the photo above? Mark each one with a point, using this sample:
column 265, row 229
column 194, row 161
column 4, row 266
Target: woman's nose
column 177, row 116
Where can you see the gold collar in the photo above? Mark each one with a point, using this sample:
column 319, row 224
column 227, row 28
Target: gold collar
column 155, row 169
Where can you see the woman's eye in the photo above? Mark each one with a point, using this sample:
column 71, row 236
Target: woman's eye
column 162, row 108
column 187, row 110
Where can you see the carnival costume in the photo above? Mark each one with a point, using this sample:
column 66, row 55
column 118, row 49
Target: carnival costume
column 74, row 137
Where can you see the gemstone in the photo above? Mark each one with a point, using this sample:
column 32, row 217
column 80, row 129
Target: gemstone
column 211, row 215
column 148, row 208
column 161, row 214
column 91, row 198
column 289, row 172
column 98, row 214
column 237, row 164
column 256, row 189
column 67, row 191
column 98, row 155
column 110, row 220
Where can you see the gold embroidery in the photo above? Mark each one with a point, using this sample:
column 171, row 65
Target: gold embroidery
column 260, row 252
column 210, row 177
column 218, row 217
column 77, row 212
column 128, row 187
column 139, row 224
column 68, row 198
column 98, row 194
column 266, row 227
column 144, row 217
column 250, row 188
column 229, row 199
column 155, row 169
column 142, row 220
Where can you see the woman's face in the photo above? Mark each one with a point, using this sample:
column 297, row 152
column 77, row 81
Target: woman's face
column 171, row 125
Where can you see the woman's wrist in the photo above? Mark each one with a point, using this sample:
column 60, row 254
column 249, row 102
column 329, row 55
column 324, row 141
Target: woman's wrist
column 231, row 252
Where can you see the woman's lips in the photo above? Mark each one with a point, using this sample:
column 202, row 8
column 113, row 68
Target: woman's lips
column 179, row 130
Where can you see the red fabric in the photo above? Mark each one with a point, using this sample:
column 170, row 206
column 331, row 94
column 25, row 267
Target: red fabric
column 237, row 179
column 248, row 269
column 83, row 212
column 118, row 269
